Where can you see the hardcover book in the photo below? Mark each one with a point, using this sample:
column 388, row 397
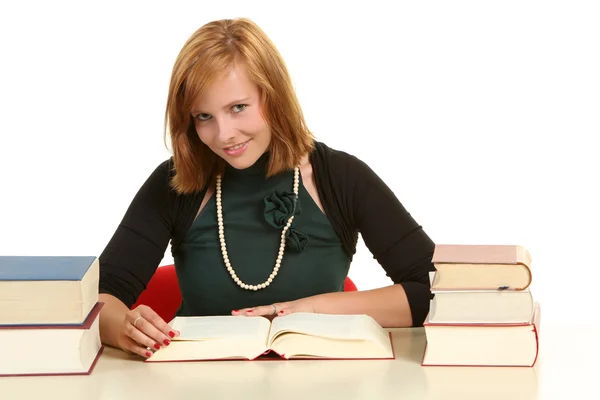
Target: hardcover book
column 481, row 306
column 478, row 344
column 481, row 267
column 298, row 335
column 51, row 349
column 47, row 289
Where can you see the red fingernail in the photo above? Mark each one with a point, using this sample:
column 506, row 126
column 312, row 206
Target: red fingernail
column 157, row 346
column 148, row 354
column 235, row 310
column 281, row 312
column 249, row 311
column 167, row 342
column 172, row 334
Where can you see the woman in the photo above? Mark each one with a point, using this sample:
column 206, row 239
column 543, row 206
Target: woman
column 262, row 218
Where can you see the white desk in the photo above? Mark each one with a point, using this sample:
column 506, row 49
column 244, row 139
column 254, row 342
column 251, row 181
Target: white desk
column 567, row 367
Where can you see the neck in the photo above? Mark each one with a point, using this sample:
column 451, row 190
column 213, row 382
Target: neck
column 258, row 168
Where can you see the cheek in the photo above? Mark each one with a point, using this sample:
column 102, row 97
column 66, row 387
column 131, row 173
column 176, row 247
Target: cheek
column 205, row 134
column 257, row 125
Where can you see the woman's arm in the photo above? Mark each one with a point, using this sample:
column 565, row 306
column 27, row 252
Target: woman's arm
column 133, row 253
column 388, row 306
column 112, row 316
column 127, row 264
column 395, row 239
column 135, row 331
column 356, row 201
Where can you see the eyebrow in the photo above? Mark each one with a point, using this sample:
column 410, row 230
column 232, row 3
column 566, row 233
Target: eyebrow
column 228, row 105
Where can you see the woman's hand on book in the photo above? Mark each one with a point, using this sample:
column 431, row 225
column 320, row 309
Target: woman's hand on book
column 144, row 329
column 278, row 309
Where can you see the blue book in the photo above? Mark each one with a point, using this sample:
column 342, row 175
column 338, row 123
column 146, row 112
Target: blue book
column 47, row 290
column 44, row 268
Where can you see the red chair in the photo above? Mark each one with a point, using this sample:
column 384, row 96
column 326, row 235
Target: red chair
column 163, row 295
column 349, row 286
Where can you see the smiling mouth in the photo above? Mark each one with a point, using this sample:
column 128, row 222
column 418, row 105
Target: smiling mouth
column 236, row 147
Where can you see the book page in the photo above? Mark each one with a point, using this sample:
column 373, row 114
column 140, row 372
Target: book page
column 221, row 327
column 344, row 327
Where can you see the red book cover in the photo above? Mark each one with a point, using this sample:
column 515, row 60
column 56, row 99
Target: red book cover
column 87, row 323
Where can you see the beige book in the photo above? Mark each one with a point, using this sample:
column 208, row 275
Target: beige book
column 472, row 383
column 481, row 267
column 51, row 349
column 298, row 335
column 481, row 306
column 43, row 290
column 482, row 344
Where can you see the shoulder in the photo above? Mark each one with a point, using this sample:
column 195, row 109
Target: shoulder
column 165, row 169
column 162, row 176
column 336, row 162
column 159, row 178
column 158, row 188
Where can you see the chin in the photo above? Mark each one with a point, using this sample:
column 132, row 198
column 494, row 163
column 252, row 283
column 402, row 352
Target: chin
column 241, row 162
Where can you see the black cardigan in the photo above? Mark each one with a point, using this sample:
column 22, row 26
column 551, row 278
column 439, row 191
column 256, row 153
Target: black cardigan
column 354, row 199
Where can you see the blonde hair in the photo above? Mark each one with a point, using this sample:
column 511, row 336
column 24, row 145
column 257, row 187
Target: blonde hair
column 211, row 50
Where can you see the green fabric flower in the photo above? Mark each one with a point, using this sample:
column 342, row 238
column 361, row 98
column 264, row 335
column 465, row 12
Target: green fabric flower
column 279, row 207
column 295, row 239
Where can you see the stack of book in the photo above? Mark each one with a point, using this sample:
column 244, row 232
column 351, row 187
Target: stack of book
column 482, row 312
column 49, row 315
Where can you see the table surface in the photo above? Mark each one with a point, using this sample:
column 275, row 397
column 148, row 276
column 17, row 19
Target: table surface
column 566, row 367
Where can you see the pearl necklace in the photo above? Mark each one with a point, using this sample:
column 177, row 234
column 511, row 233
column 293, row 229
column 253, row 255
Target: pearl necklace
column 224, row 246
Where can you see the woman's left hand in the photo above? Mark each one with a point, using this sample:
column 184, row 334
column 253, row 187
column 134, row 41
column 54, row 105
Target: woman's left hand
column 277, row 309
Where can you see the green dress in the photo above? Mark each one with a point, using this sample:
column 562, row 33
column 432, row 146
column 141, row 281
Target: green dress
column 255, row 210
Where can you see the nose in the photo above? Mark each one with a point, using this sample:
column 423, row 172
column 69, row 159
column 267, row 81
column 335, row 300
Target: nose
column 225, row 129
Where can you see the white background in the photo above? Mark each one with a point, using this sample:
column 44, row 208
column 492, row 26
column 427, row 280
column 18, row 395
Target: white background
column 482, row 117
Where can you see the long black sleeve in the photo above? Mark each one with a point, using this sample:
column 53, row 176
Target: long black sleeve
column 394, row 238
column 139, row 242
column 357, row 200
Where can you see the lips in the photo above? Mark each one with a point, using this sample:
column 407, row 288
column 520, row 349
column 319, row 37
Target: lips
column 237, row 149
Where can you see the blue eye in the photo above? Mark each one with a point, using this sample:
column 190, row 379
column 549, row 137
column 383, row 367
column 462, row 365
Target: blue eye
column 238, row 108
column 203, row 117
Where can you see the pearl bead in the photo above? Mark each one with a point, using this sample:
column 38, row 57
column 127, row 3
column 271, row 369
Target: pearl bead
column 221, row 230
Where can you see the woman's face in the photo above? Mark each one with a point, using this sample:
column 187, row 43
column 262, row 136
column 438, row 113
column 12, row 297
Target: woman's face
column 229, row 120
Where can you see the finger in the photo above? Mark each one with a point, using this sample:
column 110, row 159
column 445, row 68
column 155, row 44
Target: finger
column 134, row 348
column 140, row 334
column 268, row 310
column 148, row 325
column 167, row 333
column 245, row 311
column 252, row 312
column 285, row 311
column 260, row 311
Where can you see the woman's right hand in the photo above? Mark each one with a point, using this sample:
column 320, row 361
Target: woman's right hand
column 143, row 329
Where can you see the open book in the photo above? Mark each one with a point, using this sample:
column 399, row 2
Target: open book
column 299, row 335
